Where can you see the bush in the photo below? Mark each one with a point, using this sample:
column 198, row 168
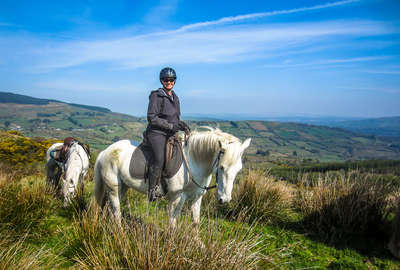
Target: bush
column 264, row 198
column 259, row 197
column 345, row 204
column 20, row 151
column 97, row 243
column 23, row 206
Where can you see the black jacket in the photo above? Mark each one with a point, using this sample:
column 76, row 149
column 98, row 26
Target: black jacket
column 163, row 112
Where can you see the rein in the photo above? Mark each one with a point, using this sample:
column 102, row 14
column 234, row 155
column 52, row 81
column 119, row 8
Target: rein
column 216, row 162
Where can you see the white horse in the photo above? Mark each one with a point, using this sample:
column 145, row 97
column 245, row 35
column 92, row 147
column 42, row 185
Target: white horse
column 206, row 152
column 72, row 171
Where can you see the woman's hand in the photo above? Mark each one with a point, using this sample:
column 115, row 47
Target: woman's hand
column 184, row 127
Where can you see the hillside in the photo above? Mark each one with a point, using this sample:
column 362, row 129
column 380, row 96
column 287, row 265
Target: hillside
column 386, row 126
column 55, row 119
column 6, row 97
column 271, row 141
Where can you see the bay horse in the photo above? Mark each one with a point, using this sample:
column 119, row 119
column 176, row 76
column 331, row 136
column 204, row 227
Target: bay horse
column 205, row 151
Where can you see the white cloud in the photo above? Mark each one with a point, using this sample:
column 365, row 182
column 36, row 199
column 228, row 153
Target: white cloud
column 382, row 71
column 383, row 89
column 89, row 86
column 220, row 45
column 289, row 63
column 161, row 12
column 238, row 18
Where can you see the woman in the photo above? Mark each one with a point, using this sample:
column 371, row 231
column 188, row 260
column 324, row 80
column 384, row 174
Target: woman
column 163, row 116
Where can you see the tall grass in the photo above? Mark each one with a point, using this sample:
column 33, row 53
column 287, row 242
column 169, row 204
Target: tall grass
column 24, row 203
column 345, row 203
column 14, row 255
column 97, row 243
column 259, row 197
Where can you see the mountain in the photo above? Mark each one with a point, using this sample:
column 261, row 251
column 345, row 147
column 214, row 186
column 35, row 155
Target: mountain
column 7, row 97
column 386, row 126
column 271, row 141
column 56, row 119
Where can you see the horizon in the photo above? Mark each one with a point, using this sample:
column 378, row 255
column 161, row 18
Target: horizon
column 308, row 58
column 301, row 118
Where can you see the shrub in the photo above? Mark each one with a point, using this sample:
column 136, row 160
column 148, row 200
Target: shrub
column 260, row 197
column 24, row 205
column 344, row 204
column 100, row 244
column 20, row 151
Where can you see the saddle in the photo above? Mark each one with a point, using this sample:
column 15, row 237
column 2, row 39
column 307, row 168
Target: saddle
column 142, row 155
column 60, row 153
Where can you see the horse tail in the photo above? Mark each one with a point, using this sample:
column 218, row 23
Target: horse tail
column 99, row 189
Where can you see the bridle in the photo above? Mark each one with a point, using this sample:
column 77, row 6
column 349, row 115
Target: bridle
column 215, row 165
column 63, row 165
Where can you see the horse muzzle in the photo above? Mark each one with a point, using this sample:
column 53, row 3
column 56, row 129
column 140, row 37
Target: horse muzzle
column 223, row 200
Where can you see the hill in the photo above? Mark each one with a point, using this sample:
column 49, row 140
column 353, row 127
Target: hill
column 271, row 141
column 6, row 97
column 56, row 119
column 386, row 126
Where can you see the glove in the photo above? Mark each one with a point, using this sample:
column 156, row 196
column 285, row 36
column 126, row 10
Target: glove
column 184, row 127
column 175, row 128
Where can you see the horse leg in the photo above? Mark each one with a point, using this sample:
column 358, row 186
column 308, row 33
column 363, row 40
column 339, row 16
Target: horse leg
column 82, row 182
column 174, row 209
column 114, row 196
column 51, row 172
column 195, row 208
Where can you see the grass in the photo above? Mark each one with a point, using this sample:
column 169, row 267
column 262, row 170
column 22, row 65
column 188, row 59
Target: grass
column 264, row 227
column 344, row 204
column 141, row 245
column 14, row 255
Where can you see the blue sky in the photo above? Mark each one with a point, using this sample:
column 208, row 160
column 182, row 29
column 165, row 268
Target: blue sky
column 268, row 58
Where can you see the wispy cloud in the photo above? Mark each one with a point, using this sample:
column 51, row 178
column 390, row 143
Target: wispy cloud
column 292, row 64
column 221, row 45
column 89, row 86
column 382, row 71
column 6, row 24
column 238, row 18
column 383, row 89
column 161, row 12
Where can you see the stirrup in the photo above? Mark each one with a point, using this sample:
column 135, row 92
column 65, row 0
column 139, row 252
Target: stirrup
column 155, row 193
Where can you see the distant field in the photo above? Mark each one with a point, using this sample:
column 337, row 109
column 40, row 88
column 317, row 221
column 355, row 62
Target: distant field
column 270, row 140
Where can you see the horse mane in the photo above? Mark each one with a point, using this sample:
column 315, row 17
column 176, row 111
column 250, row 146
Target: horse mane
column 203, row 145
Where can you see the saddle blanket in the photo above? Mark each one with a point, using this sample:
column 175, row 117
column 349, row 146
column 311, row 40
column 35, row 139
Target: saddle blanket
column 141, row 158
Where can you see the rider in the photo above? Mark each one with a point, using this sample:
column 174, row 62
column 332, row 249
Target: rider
column 163, row 116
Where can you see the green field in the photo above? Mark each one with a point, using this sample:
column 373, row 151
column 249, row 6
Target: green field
column 264, row 229
column 286, row 215
column 271, row 141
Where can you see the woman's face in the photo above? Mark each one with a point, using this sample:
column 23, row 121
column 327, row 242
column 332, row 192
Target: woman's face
column 168, row 83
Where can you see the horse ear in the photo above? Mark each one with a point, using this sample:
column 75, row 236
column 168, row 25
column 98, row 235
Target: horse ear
column 246, row 144
column 221, row 145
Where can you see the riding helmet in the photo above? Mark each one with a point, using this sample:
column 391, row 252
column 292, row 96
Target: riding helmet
column 167, row 73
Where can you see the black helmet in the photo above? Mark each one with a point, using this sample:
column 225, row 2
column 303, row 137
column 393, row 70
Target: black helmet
column 167, row 73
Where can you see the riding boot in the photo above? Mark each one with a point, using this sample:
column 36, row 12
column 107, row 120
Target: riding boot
column 154, row 183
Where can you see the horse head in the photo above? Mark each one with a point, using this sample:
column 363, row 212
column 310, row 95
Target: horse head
column 75, row 165
column 228, row 165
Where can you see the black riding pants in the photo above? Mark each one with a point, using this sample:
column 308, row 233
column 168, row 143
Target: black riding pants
column 157, row 143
